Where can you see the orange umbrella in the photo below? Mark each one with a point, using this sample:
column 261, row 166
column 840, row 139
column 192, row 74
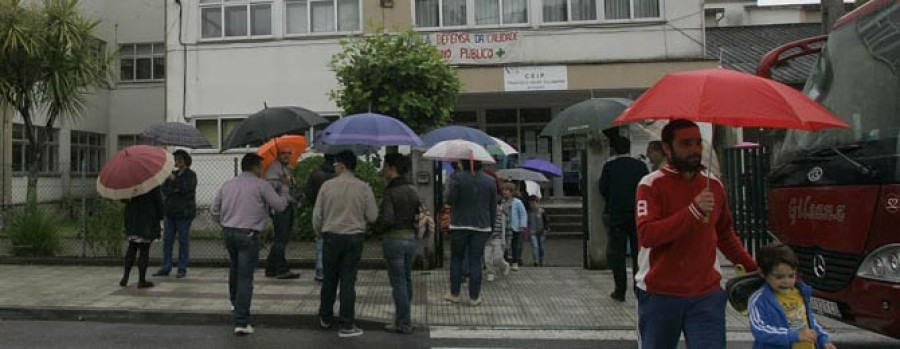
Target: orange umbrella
column 293, row 143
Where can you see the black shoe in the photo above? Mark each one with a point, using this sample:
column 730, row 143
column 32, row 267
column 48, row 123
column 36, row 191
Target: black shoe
column 288, row 275
column 181, row 274
column 145, row 284
column 123, row 282
column 271, row 274
column 618, row 296
column 318, row 278
column 324, row 324
column 161, row 273
column 397, row 329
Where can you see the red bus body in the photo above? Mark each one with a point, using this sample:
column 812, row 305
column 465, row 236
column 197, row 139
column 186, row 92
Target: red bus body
column 834, row 195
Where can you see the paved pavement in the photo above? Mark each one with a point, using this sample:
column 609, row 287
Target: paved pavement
column 530, row 299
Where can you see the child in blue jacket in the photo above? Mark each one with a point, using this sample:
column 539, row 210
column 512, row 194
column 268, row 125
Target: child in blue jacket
column 780, row 316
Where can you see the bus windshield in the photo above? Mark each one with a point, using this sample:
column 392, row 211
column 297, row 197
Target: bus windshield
column 856, row 77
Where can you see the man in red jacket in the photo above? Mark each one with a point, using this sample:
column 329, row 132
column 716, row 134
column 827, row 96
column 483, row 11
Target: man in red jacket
column 682, row 217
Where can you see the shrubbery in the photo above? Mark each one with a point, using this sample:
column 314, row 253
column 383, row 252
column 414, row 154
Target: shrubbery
column 33, row 232
column 366, row 171
column 106, row 227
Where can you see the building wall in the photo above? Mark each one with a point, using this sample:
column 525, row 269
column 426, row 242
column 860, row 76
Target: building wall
column 741, row 13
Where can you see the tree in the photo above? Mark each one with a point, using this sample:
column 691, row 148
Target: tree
column 398, row 75
column 49, row 62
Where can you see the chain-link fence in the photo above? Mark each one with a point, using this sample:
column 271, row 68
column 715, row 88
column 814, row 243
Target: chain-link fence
column 71, row 221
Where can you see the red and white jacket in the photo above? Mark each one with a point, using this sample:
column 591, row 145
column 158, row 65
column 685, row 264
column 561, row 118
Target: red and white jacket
column 677, row 254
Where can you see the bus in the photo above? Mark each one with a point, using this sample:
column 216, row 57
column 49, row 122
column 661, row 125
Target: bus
column 834, row 195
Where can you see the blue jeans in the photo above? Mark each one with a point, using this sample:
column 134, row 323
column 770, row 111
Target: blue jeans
column 399, row 254
column 340, row 259
column 319, row 268
column 243, row 251
column 537, row 246
column 471, row 243
column 282, row 223
column 661, row 319
column 181, row 227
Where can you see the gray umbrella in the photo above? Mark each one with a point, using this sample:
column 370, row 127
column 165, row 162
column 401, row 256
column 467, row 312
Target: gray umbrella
column 177, row 134
column 521, row 174
column 589, row 115
column 270, row 123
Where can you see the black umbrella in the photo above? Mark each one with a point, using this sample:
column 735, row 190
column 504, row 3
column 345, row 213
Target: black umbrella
column 269, row 123
column 589, row 115
column 178, row 134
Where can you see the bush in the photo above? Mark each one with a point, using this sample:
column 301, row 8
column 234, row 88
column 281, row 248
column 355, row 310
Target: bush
column 33, row 232
column 106, row 227
column 365, row 170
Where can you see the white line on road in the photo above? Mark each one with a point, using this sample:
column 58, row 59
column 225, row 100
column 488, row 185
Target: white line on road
column 448, row 332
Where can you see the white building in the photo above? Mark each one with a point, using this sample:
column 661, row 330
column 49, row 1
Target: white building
column 226, row 59
column 113, row 116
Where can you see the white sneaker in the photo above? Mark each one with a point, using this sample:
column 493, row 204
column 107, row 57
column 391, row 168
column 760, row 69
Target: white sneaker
column 243, row 330
column 505, row 269
column 350, row 332
column 515, row 266
column 475, row 302
column 490, row 278
column 232, row 308
column 451, row 298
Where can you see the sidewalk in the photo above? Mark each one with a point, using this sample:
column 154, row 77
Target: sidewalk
column 545, row 298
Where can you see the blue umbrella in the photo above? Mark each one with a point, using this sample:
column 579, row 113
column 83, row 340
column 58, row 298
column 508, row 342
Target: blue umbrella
column 457, row 132
column 369, row 129
column 323, row 148
column 542, row 166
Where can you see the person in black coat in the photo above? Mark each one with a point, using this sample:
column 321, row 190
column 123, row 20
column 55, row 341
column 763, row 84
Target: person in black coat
column 142, row 216
column 619, row 180
column 179, row 191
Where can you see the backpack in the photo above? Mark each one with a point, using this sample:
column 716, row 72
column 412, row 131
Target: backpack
column 424, row 223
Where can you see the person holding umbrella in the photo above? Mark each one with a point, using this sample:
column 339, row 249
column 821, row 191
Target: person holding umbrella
column 682, row 218
column 241, row 207
column 280, row 175
column 133, row 175
column 179, row 191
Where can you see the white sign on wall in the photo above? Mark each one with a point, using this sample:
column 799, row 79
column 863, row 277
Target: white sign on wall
column 536, row 78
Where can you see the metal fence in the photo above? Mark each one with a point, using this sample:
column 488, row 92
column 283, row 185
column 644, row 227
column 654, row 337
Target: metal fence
column 69, row 200
column 745, row 176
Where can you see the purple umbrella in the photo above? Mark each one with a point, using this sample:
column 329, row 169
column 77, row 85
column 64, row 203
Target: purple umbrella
column 369, row 129
column 542, row 166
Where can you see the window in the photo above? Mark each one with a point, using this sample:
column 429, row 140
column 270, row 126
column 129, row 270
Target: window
column 440, row 13
column 142, row 62
column 50, row 152
column 125, row 141
column 592, row 10
column 235, row 18
column 216, row 130
column 318, row 16
column 501, row 12
column 89, row 148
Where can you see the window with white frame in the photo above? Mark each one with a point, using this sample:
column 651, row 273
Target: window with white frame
column 142, row 62
column 500, row 12
column 235, row 18
column 87, row 149
column 440, row 13
column 215, row 130
column 127, row 140
column 20, row 148
column 603, row 10
column 318, row 16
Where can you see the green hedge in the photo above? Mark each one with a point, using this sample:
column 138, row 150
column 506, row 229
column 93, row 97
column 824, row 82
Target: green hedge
column 34, row 232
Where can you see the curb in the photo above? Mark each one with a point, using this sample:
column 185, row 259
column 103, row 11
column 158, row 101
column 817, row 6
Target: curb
column 136, row 316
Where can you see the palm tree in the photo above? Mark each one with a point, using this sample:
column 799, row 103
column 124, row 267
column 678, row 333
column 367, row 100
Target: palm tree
column 50, row 63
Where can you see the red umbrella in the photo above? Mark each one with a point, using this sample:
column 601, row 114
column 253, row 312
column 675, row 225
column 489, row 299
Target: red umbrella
column 731, row 98
column 134, row 171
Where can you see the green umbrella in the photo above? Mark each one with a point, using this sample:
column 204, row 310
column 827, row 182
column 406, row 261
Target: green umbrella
column 589, row 115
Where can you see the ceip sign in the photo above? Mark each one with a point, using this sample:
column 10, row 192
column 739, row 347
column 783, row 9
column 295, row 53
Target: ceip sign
column 536, row 78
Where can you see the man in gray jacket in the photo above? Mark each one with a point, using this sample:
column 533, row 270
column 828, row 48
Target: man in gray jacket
column 344, row 205
column 472, row 195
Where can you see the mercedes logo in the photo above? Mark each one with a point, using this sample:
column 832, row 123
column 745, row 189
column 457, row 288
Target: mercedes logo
column 815, row 174
column 819, row 266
